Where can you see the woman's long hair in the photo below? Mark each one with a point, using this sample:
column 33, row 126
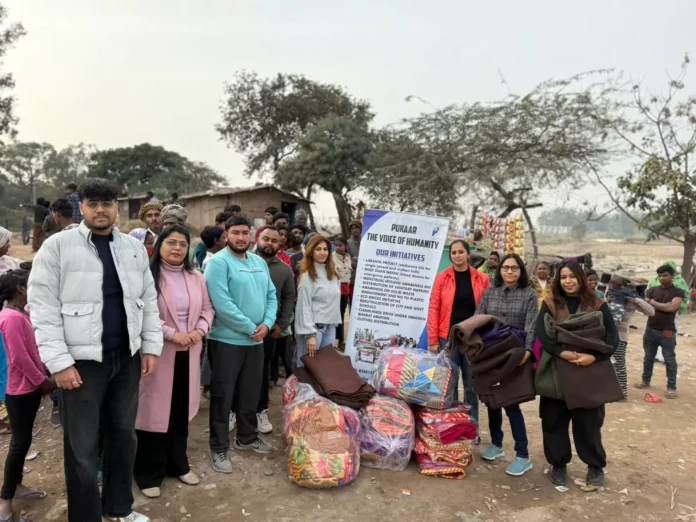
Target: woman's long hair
column 523, row 281
column 308, row 260
column 588, row 297
column 156, row 259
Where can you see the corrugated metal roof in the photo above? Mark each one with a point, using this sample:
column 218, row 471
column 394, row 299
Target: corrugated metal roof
column 225, row 191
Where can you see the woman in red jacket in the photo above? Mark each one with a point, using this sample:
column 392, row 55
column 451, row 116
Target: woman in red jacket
column 456, row 294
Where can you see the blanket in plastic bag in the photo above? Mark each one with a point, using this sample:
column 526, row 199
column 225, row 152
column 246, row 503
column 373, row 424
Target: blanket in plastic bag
column 443, row 441
column 387, row 433
column 448, row 425
column 323, row 441
column 415, row 376
column 289, row 389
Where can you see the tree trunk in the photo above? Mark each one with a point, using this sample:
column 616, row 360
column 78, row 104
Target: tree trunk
column 310, row 214
column 345, row 213
column 532, row 232
column 472, row 221
column 688, row 259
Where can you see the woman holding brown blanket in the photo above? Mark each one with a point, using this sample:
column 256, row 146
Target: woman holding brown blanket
column 515, row 303
column 571, row 294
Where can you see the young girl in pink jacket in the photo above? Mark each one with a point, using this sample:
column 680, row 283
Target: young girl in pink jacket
column 26, row 384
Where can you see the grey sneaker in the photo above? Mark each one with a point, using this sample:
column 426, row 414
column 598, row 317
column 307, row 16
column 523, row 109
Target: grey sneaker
column 221, row 462
column 258, row 445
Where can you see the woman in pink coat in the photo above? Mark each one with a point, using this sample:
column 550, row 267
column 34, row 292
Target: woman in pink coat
column 169, row 398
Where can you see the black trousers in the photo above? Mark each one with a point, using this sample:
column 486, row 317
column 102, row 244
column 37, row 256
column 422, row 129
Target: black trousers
column 269, row 344
column 164, row 454
column 340, row 329
column 284, row 353
column 231, row 364
column 21, row 412
column 587, row 433
column 109, row 389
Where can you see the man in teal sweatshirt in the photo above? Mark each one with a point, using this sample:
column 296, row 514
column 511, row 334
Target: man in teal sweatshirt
column 245, row 303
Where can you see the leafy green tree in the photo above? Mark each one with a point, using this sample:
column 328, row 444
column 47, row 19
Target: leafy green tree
column 334, row 155
column 24, row 165
column 512, row 150
column 69, row 165
column 406, row 178
column 658, row 132
column 9, row 34
column 149, row 167
column 265, row 118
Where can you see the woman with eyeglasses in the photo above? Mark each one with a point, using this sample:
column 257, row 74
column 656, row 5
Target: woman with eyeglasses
column 169, row 399
column 511, row 300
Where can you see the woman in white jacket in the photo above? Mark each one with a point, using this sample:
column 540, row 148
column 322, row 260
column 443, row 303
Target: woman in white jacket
column 318, row 309
column 344, row 269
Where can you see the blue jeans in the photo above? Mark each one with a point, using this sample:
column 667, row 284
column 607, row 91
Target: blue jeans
column 458, row 360
column 326, row 336
column 519, row 430
column 652, row 340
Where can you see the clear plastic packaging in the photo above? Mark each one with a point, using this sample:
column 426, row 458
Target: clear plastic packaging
column 323, row 441
column 387, row 433
column 416, row 376
column 289, row 387
column 447, row 426
column 443, row 441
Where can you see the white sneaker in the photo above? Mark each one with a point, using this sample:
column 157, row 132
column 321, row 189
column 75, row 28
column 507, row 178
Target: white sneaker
column 262, row 422
column 133, row 517
column 233, row 421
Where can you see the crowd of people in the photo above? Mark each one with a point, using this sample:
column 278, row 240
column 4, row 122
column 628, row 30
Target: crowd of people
column 531, row 303
column 122, row 324
column 126, row 330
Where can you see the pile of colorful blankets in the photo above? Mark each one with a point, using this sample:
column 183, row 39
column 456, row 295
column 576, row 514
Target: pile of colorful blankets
column 495, row 350
column 323, row 441
column 416, row 376
column 333, row 376
column 387, row 433
column 443, row 441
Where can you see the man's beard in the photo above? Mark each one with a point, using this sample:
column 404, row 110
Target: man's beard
column 268, row 252
column 106, row 226
column 156, row 227
column 236, row 250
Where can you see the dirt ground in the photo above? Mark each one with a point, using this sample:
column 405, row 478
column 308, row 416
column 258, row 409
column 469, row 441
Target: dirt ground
column 650, row 475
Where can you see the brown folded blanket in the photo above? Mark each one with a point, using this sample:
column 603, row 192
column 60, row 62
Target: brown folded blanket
column 335, row 376
column 492, row 350
column 465, row 338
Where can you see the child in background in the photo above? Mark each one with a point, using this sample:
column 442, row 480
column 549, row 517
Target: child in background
column 26, row 385
column 344, row 270
column 593, row 281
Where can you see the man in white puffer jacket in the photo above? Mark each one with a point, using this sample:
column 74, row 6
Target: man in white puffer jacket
column 93, row 305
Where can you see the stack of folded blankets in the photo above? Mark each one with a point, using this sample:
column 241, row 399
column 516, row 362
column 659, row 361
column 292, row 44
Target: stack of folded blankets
column 387, row 433
column 495, row 350
column 323, row 441
column 333, row 376
column 416, row 376
column 443, row 441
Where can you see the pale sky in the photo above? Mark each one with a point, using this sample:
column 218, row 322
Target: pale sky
column 116, row 73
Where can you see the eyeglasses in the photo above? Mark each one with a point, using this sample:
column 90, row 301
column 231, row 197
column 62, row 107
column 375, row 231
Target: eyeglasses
column 103, row 204
column 507, row 268
column 173, row 243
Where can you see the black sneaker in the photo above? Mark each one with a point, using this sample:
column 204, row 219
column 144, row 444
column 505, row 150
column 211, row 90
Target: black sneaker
column 595, row 476
column 559, row 475
column 55, row 416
